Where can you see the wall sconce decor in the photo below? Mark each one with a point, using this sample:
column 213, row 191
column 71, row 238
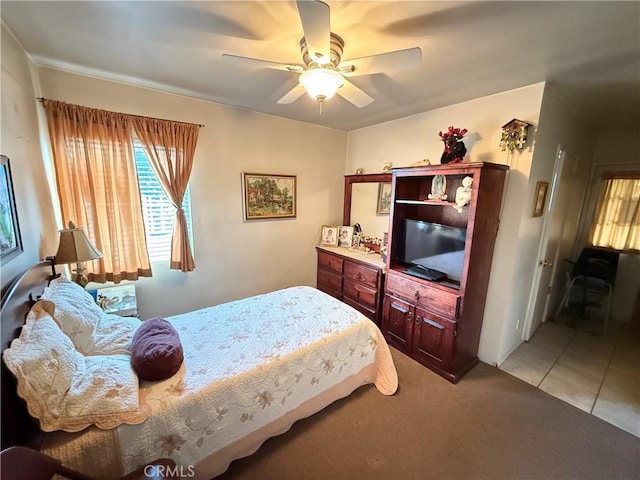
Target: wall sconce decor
column 514, row 135
column 75, row 247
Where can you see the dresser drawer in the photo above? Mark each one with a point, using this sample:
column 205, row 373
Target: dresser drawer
column 359, row 293
column 330, row 282
column 366, row 311
column 432, row 299
column 331, row 262
column 368, row 276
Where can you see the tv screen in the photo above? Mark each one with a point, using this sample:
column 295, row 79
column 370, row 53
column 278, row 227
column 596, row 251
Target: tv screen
column 433, row 246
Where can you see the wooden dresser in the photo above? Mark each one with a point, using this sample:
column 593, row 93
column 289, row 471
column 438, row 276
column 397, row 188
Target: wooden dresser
column 355, row 278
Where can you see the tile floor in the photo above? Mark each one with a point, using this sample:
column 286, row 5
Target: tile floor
column 596, row 370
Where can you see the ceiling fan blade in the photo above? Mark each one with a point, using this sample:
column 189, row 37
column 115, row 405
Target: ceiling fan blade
column 316, row 25
column 257, row 63
column 292, row 95
column 383, row 62
column 354, row 95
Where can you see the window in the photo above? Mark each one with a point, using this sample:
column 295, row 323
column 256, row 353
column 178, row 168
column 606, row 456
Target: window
column 157, row 210
column 617, row 221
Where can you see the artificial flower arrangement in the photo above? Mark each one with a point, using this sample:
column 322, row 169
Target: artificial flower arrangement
column 454, row 149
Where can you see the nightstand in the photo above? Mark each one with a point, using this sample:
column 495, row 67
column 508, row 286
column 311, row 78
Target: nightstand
column 119, row 300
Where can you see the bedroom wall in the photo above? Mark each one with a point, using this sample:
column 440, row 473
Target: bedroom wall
column 414, row 138
column 558, row 125
column 233, row 259
column 19, row 141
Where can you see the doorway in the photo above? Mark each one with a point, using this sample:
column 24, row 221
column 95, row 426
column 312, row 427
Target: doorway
column 554, row 245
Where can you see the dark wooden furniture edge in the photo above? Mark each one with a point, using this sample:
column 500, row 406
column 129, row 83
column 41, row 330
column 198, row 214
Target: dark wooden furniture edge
column 349, row 180
column 18, row 427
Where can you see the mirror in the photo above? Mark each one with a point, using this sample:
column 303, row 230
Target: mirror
column 364, row 197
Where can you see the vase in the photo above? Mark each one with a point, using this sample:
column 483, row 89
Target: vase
column 454, row 151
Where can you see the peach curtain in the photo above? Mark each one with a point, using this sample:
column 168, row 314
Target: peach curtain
column 617, row 220
column 98, row 187
column 170, row 147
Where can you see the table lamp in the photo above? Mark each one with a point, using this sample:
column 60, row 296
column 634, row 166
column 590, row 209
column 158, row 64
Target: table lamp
column 75, row 247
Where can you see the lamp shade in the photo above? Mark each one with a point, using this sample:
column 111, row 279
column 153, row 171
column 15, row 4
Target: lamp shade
column 75, row 246
column 321, row 83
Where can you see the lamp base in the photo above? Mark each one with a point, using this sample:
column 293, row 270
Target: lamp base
column 80, row 278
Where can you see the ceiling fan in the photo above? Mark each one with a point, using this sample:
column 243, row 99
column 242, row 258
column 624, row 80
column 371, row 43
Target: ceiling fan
column 324, row 73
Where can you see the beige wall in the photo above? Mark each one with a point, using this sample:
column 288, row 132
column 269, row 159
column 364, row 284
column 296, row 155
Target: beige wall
column 20, row 142
column 558, row 125
column 234, row 259
column 414, row 138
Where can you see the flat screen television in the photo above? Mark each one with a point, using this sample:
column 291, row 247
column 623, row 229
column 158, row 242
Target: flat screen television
column 435, row 251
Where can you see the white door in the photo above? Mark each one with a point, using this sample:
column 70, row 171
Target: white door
column 548, row 268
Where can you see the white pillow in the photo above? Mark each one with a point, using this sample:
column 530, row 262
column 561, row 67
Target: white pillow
column 62, row 388
column 92, row 331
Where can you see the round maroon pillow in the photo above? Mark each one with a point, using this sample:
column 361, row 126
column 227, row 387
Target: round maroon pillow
column 156, row 351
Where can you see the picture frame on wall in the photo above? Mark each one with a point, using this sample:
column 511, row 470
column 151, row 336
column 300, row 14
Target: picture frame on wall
column 384, row 199
column 540, row 198
column 345, row 237
column 267, row 196
column 10, row 239
column 329, row 236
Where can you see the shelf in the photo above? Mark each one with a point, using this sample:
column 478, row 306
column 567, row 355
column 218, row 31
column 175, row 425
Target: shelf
column 425, row 202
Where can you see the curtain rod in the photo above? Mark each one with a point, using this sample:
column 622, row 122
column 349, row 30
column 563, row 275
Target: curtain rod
column 41, row 99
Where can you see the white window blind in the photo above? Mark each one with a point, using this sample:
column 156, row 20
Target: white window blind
column 157, row 210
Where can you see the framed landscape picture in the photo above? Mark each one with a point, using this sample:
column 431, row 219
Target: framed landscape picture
column 10, row 241
column 268, row 196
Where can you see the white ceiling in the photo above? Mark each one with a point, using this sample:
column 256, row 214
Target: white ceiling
column 589, row 50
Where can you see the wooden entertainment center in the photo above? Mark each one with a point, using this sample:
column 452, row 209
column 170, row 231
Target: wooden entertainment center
column 435, row 317
column 438, row 322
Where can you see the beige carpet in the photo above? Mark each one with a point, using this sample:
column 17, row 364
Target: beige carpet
column 488, row 426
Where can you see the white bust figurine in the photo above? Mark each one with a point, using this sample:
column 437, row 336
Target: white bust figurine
column 463, row 194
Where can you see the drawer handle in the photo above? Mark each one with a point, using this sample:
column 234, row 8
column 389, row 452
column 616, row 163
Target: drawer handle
column 358, row 294
column 399, row 308
column 417, row 295
column 432, row 323
column 359, row 276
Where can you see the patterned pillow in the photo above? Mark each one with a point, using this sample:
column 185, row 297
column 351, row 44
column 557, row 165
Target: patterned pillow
column 62, row 388
column 92, row 331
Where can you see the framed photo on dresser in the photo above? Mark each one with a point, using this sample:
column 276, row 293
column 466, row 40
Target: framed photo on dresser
column 345, row 237
column 329, row 237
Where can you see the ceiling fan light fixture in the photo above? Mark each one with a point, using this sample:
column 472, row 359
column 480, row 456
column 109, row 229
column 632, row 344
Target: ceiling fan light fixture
column 321, row 83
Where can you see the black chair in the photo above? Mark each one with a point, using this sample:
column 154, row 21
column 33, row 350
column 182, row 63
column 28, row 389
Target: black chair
column 590, row 279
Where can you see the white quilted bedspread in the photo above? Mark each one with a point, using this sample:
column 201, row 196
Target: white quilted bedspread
column 246, row 364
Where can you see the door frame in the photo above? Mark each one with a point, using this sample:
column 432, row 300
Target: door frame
column 529, row 327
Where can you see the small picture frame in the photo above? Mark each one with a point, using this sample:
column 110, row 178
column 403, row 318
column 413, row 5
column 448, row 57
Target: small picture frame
column 384, row 199
column 540, row 198
column 345, row 238
column 329, row 237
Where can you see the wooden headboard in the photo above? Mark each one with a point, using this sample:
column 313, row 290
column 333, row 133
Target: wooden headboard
column 18, row 427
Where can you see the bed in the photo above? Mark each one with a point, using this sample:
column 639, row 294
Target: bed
column 251, row 369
